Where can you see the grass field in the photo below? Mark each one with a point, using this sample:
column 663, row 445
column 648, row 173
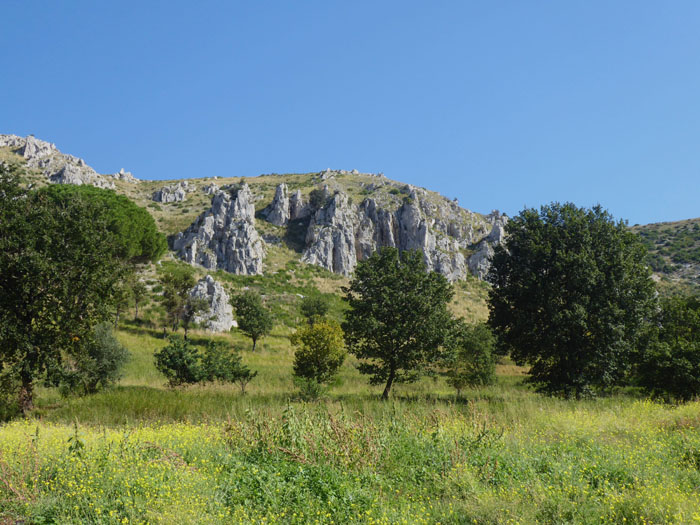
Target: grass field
column 142, row 453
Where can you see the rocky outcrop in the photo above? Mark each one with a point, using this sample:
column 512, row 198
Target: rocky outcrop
column 210, row 189
column 297, row 208
column 340, row 234
column 278, row 211
column 125, row 176
column 330, row 239
column 480, row 261
column 224, row 236
column 173, row 193
column 218, row 317
column 57, row 167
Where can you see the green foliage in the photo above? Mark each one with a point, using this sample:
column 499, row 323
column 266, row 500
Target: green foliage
column 317, row 198
column 179, row 362
column 139, row 292
column 60, row 264
column 220, row 363
column 670, row 366
column 398, row 317
column 253, row 318
column 135, row 235
column 472, row 360
column 180, row 306
column 314, row 307
column 320, row 350
column 571, row 292
column 97, row 364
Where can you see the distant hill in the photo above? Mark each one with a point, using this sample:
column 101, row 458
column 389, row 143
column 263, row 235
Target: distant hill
column 674, row 253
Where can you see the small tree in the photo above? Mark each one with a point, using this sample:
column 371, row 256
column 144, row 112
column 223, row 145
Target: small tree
column 121, row 297
column 180, row 362
column 314, row 307
column 472, row 361
column 320, row 351
column 220, row 363
column 670, row 365
column 253, row 318
column 139, row 292
column 179, row 304
column 398, row 317
column 96, row 365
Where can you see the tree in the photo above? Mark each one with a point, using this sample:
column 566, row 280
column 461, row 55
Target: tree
column 60, row 263
column 314, row 307
column 221, row 364
column 180, row 362
column 138, row 293
column 253, row 318
column 398, row 317
column 97, row 365
column 670, row 363
column 570, row 294
column 472, row 361
column 320, row 351
column 180, row 306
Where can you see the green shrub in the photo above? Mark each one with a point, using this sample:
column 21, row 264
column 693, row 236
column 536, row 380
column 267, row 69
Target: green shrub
column 220, row 363
column 472, row 362
column 96, row 365
column 320, row 351
column 180, row 362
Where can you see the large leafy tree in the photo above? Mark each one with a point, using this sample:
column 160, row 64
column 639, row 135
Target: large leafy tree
column 570, row 295
column 61, row 260
column 669, row 365
column 252, row 317
column 398, row 316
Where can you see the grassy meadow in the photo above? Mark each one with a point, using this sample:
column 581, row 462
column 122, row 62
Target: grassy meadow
column 143, row 453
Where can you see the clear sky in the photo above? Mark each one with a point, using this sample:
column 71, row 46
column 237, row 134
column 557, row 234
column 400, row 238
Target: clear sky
column 501, row 104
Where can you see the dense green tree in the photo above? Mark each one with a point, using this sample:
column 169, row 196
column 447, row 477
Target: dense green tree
column 670, row 362
column 570, row 294
column 134, row 233
column 398, row 317
column 472, row 360
column 253, row 318
column 320, row 351
column 139, row 292
column 180, row 362
column 314, row 307
column 61, row 260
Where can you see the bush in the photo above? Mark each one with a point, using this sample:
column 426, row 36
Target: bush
column 314, row 307
column 221, row 364
column 472, row 362
column 180, row 362
column 96, row 365
column 320, row 351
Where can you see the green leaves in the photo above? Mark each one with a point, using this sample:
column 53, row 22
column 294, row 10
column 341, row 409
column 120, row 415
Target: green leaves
column 398, row 316
column 253, row 318
column 570, row 293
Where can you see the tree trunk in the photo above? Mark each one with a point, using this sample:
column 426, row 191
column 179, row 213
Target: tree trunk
column 185, row 326
column 26, row 395
column 116, row 319
column 255, row 340
column 389, row 382
column 136, row 311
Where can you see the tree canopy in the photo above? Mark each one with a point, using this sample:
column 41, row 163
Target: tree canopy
column 570, row 295
column 253, row 318
column 398, row 316
column 61, row 259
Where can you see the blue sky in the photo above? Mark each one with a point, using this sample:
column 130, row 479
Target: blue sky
column 500, row 104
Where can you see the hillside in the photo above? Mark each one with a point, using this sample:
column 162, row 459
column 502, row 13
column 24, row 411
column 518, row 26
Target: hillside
column 674, row 253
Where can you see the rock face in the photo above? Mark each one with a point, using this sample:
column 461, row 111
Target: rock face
column 219, row 316
column 57, row 167
column 480, row 261
column 297, row 208
column 125, row 176
column 340, row 233
column 210, row 189
column 173, row 193
column 278, row 211
column 224, row 236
